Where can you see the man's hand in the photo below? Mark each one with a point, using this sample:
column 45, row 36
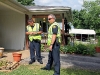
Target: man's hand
column 50, row 47
column 33, row 33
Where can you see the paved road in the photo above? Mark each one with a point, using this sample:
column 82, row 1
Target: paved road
column 67, row 60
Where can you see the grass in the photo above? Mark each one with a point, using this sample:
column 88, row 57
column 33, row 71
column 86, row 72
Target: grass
column 35, row 70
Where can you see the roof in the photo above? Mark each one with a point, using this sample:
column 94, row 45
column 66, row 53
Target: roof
column 37, row 7
column 81, row 31
column 37, row 10
column 14, row 5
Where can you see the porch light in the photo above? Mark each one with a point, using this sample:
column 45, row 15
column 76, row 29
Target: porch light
column 43, row 19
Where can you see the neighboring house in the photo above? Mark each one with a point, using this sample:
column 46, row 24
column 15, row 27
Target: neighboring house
column 83, row 34
column 13, row 20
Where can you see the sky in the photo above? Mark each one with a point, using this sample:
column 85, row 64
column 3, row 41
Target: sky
column 74, row 4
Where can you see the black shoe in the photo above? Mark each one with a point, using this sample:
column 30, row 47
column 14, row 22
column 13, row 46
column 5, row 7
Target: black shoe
column 32, row 61
column 44, row 68
column 40, row 61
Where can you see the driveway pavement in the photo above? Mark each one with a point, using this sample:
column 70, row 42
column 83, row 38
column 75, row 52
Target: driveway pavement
column 67, row 60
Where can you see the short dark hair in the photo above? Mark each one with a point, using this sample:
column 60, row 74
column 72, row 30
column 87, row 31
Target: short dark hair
column 30, row 20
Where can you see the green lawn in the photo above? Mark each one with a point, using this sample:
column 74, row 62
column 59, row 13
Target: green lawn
column 35, row 70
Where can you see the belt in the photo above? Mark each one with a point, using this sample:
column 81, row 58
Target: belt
column 36, row 40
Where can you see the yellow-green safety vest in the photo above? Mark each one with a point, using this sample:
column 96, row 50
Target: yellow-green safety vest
column 35, row 29
column 50, row 33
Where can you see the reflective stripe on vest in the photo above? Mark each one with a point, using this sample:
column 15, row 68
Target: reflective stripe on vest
column 50, row 33
column 35, row 29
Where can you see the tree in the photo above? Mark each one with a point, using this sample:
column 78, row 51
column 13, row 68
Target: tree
column 76, row 21
column 26, row 2
column 88, row 17
column 93, row 10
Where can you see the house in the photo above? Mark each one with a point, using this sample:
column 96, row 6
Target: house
column 83, row 34
column 13, row 20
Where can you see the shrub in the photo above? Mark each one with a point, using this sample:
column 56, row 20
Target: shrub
column 98, row 43
column 71, row 49
column 91, row 49
column 42, row 47
column 81, row 49
column 62, row 49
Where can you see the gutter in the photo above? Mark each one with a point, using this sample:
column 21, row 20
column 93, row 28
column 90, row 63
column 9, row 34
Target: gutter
column 14, row 5
column 18, row 4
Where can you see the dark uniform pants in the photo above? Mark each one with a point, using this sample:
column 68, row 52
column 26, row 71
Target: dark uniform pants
column 35, row 46
column 54, row 56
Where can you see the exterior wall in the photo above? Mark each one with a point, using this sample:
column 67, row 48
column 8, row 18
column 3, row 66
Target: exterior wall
column 12, row 30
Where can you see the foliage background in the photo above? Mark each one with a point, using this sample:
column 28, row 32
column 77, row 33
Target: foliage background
column 88, row 17
column 26, row 2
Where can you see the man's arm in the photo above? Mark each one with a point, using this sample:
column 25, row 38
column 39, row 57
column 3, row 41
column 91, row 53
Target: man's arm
column 55, row 31
column 53, row 39
column 34, row 33
column 40, row 30
column 28, row 33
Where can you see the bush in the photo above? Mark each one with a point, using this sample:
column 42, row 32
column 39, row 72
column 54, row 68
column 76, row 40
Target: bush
column 79, row 49
column 91, row 49
column 86, row 49
column 62, row 49
column 98, row 43
column 42, row 47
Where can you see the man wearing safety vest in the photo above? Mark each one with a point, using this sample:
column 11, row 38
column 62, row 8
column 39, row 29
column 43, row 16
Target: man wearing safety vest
column 34, row 30
column 54, row 35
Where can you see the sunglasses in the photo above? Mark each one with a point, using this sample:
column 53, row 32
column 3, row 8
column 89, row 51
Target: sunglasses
column 50, row 18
